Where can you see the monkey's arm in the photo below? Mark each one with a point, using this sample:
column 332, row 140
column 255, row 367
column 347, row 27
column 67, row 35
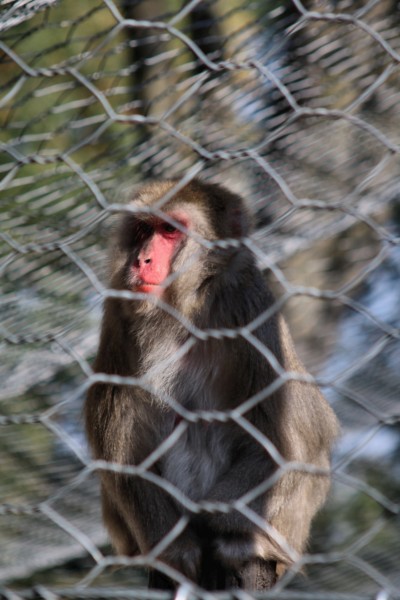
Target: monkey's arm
column 149, row 514
column 239, row 537
column 296, row 422
column 287, row 506
column 124, row 428
column 299, row 422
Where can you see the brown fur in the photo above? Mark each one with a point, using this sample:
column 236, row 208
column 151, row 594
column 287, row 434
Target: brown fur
column 213, row 288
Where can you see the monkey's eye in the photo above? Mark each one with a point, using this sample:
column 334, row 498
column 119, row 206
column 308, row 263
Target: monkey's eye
column 168, row 228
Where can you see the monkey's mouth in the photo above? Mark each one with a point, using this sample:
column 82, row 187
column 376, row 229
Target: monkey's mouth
column 149, row 288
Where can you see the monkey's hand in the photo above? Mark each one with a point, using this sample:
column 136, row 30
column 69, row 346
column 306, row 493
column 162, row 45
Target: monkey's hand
column 236, row 549
column 184, row 555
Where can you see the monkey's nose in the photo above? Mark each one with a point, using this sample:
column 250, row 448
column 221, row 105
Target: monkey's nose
column 138, row 262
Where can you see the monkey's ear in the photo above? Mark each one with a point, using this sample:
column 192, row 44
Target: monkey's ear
column 231, row 211
column 240, row 222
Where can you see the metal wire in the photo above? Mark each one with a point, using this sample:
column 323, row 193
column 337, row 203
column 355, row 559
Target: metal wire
column 295, row 105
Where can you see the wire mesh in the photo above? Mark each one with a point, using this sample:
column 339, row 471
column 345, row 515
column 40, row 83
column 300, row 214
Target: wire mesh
column 294, row 105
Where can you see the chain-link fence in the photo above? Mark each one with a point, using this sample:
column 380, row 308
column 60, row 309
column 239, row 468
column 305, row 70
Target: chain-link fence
column 295, row 106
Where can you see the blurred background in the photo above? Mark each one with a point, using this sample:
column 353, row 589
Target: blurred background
column 296, row 106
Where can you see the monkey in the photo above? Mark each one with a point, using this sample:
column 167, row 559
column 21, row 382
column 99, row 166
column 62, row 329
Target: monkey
column 245, row 457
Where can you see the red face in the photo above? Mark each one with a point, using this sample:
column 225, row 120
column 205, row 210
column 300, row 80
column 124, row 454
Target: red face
column 159, row 244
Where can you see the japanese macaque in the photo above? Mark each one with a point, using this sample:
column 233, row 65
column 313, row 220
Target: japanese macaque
column 243, row 450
